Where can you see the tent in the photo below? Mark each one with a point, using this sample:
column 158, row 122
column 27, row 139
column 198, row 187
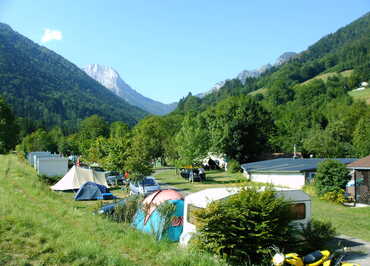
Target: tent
column 77, row 176
column 151, row 221
column 93, row 191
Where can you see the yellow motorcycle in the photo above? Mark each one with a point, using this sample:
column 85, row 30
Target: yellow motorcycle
column 313, row 259
column 316, row 258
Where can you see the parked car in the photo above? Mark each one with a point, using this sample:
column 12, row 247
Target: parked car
column 144, row 187
column 115, row 178
column 198, row 176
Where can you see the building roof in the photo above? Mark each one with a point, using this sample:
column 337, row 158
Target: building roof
column 289, row 165
column 362, row 163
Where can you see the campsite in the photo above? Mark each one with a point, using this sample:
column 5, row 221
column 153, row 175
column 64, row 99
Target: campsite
column 185, row 133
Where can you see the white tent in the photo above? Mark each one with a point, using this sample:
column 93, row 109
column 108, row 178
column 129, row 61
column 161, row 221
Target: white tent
column 77, row 176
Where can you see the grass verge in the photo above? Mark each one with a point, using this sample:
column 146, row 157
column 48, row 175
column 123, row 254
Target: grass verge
column 42, row 227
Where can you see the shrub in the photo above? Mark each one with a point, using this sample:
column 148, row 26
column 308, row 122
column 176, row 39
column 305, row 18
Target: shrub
column 315, row 235
column 244, row 226
column 233, row 166
column 166, row 211
column 124, row 213
column 334, row 196
column 332, row 176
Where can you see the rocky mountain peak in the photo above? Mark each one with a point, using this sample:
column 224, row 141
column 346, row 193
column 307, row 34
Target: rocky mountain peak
column 110, row 78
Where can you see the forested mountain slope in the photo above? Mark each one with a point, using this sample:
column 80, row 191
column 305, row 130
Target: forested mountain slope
column 42, row 86
column 347, row 48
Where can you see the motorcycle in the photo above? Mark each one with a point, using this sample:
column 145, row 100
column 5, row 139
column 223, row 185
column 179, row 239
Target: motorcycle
column 313, row 259
column 316, row 258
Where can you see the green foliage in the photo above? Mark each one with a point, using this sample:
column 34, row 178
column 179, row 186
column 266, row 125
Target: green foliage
column 332, row 176
column 8, row 128
column 118, row 129
column 334, row 196
column 239, row 127
column 138, row 162
column 124, row 213
column 42, row 86
column 39, row 140
column 361, row 137
column 166, row 211
column 244, row 226
column 315, row 235
column 233, row 166
column 192, row 140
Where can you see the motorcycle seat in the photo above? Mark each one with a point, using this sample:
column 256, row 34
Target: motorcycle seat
column 312, row 257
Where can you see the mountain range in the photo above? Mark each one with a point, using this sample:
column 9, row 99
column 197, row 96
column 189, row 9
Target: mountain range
column 45, row 88
column 111, row 79
column 255, row 73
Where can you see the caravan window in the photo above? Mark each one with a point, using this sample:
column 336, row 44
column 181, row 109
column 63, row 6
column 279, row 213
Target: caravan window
column 299, row 211
column 190, row 213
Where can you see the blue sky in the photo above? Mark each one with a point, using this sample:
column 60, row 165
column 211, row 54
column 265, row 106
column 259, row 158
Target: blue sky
column 166, row 48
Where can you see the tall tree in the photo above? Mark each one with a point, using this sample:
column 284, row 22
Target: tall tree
column 361, row 137
column 192, row 140
column 239, row 127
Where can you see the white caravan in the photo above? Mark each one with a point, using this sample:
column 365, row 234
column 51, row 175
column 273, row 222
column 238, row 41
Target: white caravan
column 301, row 205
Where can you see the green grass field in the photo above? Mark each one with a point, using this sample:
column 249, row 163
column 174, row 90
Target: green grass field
column 214, row 179
column 325, row 76
column 353, row 222
column 42, row 227
column 361, row 95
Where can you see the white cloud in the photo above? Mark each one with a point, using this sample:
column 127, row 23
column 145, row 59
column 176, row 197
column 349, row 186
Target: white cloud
column 50, row 35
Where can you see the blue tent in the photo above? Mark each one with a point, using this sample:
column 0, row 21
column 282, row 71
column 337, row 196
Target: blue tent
column 155, row 223
column 93, row 191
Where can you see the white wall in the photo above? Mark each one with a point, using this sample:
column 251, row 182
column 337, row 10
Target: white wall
column 291, row 180
column 52, row 166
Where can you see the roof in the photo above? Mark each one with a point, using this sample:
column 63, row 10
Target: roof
column 289, row 164
column 203, row 197
column 362, row 163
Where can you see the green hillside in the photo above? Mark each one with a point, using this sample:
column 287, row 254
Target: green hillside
column 41, row 85
column 340, row 52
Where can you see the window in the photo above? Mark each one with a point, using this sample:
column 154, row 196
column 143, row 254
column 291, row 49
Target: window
column 190, row 213
column 299, row 211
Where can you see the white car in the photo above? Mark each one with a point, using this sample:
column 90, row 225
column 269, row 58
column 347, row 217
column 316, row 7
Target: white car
column 146, row 186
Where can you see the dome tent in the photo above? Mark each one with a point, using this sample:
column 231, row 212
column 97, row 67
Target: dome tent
column 93, row 191
column 151, row 221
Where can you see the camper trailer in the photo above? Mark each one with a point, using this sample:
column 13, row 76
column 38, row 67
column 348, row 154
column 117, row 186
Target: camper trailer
column 301, row 205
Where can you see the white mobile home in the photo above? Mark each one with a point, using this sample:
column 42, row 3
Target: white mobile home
column 301, row 205
column 287, row 172
column 52, row 166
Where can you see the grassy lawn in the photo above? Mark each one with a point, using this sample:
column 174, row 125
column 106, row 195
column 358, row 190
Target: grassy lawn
column 42, row 227
column 353, row 222
column 349, row 221
column 214, row 179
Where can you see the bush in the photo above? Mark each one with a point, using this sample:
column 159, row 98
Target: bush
column 124, row 213
column 334, row 196
column 244, row 226
column 233, row 166
column 315, row 235
column 332, row 176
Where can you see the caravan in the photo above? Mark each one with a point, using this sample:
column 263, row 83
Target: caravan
column 301, row 206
